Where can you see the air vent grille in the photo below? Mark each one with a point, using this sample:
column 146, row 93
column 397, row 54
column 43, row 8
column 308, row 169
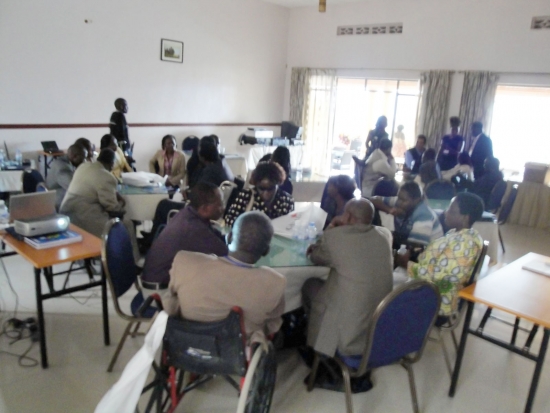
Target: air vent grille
column 541, row 22
column 383, row 28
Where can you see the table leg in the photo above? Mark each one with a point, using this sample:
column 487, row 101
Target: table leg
column 45, row 166
column 41, row 324
column 461, row 348
column 538, row 369
column 106, row 335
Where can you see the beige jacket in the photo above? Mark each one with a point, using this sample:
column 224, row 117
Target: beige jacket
column 206, row 287
column 360, row 261
column 178, row 166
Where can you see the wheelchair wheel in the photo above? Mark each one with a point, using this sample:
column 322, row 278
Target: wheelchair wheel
column 257, row 392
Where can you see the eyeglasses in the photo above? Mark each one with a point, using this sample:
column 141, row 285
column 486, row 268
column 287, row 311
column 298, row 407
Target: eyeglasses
column 266, row 189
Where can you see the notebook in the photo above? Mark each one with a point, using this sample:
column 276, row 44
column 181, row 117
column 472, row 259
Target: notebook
column 53, row 240
column 540, row 267
column 35, row 205
column 50, row 146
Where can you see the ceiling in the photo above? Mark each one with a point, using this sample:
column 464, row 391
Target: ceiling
column 302, row 3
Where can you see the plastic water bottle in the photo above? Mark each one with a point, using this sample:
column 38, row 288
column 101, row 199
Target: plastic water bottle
column 402, row 249
column 4, row 214
column 311, row 232
column 2, row 157
column 18, row 157
column 300, row 236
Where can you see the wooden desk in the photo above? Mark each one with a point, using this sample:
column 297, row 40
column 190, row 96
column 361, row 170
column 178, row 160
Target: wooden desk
column 43, row 260
column 53, row 155
column 516, row 291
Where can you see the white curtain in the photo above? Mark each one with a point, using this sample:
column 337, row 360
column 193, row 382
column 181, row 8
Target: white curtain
column 298, row 94
column 318, row 89
column 435, row 89
column 478, row 96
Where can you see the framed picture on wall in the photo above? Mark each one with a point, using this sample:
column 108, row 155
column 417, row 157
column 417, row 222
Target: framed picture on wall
column 171, row 50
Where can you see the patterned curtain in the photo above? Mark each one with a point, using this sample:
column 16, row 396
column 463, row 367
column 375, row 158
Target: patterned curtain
column 435, row 89
column 478, row 96
column 318, row 116
column 298, row 94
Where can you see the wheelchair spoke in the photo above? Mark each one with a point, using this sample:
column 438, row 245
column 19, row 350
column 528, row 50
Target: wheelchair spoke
column 263, row 385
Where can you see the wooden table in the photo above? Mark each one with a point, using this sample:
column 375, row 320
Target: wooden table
column 516, row 291
column 43, row 261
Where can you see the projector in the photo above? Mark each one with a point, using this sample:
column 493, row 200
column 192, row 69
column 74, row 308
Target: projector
column 41, row 225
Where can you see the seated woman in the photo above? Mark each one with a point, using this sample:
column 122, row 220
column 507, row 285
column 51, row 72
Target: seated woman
column 379, row 165
column 211, row 170
column 265, row 196
column 195, row 166
column 91, row 199
column 169, row 161
column 338, row 191
column 464, row 168
column 281, row 155
column 429, row 170
column 121, row 165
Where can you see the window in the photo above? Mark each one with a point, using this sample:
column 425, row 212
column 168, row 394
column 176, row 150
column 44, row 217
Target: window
column 519, row 128
column 360, row 102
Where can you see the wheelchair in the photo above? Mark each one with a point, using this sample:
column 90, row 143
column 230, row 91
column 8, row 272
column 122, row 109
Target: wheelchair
column 194, row 353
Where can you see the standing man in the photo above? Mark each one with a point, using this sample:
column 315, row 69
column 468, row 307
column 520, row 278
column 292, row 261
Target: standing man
column 62, row 171
column 481, row 148
column 119, row 126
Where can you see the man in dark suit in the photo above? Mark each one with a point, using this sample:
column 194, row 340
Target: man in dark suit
column 481, row 148
column 119, row 126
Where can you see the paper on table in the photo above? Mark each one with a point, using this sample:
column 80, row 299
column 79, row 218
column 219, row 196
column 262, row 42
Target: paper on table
column 284, row 225
column 142, row 179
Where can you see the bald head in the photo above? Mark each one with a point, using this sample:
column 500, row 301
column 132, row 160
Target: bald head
column 77, row 154
column 359, row 211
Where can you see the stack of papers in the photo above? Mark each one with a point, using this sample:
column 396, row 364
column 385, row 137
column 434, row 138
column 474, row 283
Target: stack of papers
column 284, row 226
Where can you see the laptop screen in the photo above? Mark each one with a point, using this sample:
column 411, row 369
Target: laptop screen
column 50, row 146
column 35, row 205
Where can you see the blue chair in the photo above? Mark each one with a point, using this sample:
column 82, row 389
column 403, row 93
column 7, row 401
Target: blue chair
column 398, row 332
column 440, row 189
column 31, row 180
column 121, row 272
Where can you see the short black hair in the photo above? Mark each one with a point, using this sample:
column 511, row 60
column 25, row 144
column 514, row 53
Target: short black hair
column 203, row 193
column 412, row 189
column 344, row 184
column 454, row 121
column 85, row 143
column 423, row 137
column 209, row 152
column 478, row 124
column 268, row 170
column 106, row 156
column 166, row 138
column 106, row 141
column 208, row 138
column 191, row 143
column 429, row 155
column 385, row 144
column 470, row 204
column 281, row 155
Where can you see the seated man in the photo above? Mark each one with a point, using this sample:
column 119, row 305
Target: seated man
column 205, row 287
column 188, row 230
column 360, row 257
column 62, row 170
column 414, row 221
column 492, row 175
column 449, row 261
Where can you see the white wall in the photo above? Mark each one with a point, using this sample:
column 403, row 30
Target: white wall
column 57, row 69
column 452, row 34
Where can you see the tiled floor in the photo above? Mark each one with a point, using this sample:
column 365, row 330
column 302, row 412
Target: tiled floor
column 492, row 379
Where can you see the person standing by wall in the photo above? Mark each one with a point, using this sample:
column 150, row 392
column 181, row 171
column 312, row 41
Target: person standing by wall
column 119, row 126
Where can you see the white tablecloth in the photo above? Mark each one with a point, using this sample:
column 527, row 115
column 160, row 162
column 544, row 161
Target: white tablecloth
column 10, row 181
column 295, row 279
column 141, row 207
column 254, row 153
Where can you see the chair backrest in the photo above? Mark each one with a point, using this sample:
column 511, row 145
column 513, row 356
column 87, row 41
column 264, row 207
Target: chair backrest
column 400, row 325
column 171, row 214
column 31, row 179
column 385, row 187
column 495, row 199
column 227, row 188
column 508, row 205
column 207, row 348
column 41, row 187
column 117, row 258
column 440, row 189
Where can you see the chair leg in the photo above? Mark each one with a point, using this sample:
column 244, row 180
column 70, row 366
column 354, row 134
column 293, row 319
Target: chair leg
column 455, row 341
column 347, row 384
column 119, row 347
column 136, row 329
column 501, row 240
column 412, row 385
column 446, row 355
column 313, row 372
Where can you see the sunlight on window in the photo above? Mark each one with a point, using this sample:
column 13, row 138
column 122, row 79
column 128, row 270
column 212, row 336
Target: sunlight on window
column 519, row 128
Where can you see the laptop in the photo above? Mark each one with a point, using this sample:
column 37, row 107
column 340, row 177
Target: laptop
column 50, row 146
column 35, row 205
